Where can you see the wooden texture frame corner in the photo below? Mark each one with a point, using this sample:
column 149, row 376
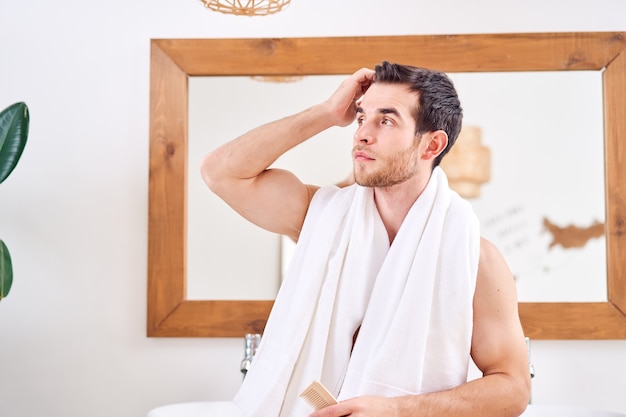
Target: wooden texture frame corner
column 171, row 314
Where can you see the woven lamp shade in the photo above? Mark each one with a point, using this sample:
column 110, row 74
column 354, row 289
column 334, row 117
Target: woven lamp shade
column 246, row 7
column 468, row 164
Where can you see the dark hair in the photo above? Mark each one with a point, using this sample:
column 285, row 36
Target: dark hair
column 438, row 106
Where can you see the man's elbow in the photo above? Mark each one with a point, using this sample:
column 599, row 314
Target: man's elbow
column 212, row 172
column 520, row 398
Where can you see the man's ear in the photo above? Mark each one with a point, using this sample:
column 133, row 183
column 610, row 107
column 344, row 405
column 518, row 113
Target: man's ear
column 437, row 142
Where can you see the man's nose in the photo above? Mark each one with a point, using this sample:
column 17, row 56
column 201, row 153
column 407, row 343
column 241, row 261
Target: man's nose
column 364, row 134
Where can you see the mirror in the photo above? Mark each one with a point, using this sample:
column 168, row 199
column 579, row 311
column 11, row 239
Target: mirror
column 171, row 313
column 552, row 239
column 214, row 269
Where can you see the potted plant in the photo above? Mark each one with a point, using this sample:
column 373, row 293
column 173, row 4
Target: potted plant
column 14, row 122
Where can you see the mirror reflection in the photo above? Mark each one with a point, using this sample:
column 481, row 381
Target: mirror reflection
column 544, row 134
column 228, row 257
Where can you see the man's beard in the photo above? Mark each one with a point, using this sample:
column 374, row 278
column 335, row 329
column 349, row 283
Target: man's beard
column 400, row 167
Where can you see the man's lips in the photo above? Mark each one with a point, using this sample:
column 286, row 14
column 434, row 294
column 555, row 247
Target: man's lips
column 362, row 156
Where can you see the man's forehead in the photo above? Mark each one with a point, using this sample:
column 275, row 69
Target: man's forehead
column 387, row 95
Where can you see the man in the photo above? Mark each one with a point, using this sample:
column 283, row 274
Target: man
column 391, row 289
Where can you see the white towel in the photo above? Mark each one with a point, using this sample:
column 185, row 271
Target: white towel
column 412, row 301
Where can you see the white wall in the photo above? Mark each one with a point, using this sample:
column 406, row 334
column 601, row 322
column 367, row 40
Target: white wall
column 74, row 212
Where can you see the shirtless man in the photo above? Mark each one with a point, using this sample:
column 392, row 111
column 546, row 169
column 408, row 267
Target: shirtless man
column 396, row 149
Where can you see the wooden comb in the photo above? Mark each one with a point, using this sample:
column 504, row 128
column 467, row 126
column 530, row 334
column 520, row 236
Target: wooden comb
column 317, row 396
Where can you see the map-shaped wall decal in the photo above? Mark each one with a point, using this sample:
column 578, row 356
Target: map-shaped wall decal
column 572, row 236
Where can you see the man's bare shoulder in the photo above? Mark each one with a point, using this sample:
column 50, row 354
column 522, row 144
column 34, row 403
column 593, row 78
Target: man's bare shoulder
column 494, row 274
column 490, row 255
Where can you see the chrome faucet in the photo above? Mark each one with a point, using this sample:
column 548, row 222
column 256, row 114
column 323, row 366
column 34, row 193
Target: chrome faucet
column 252, row 341
column 530, row 364
column 531, row 368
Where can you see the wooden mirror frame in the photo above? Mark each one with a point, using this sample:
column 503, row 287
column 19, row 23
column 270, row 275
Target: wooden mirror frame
column 173, row 61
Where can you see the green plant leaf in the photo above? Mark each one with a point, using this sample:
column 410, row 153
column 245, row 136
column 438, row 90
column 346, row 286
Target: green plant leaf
column 14, row 121
column 6, row 270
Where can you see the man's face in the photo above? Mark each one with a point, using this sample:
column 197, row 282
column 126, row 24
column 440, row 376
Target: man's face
column 386, row 149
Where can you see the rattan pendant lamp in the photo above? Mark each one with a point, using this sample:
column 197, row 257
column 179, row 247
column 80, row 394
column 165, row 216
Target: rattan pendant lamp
column 246, row 7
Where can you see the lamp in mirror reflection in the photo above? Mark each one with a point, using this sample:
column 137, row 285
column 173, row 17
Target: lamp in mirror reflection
column 468, row 164
column 246, row 7
column 277, row 78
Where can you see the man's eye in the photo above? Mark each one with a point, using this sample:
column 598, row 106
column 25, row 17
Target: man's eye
column 359, row 121
column 387, row 121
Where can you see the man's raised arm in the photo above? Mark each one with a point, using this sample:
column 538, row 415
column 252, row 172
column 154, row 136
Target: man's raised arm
column 274, row 199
